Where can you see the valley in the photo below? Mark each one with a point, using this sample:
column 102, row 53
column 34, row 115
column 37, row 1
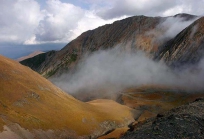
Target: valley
column 116, row 81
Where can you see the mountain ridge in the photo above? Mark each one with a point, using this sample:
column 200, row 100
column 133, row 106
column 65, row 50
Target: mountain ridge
column 29, row 56
column 130, row 33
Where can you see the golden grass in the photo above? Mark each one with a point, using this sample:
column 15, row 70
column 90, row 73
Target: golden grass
column 155, row 99
column 50, row 107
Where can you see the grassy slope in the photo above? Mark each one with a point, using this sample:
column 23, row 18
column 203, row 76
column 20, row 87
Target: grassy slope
column 33, row 102
column 155, row 99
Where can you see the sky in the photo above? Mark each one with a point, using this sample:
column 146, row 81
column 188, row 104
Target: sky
column 40, row 23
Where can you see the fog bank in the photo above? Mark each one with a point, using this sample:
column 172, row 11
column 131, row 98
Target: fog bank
column 111, row 71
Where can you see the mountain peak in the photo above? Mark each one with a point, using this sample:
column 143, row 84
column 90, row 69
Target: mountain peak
column 185, row 15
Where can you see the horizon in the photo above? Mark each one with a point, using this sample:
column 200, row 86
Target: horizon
column 54, row 23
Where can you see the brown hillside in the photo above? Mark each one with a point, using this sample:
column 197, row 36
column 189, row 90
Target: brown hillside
column 32, row 107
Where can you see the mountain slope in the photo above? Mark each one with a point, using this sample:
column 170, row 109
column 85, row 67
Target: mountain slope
column 35, row 62
column 186, row 48
column 32, row 107
column 133, row 33
column 29, row 56
column 122, row 32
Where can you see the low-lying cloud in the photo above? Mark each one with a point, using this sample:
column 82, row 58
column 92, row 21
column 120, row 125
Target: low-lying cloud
column 111, row 71
column 174, row 25
column 169, row 28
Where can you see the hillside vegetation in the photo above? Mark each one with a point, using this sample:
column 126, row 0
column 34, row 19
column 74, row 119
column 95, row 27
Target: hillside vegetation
column 31, row 105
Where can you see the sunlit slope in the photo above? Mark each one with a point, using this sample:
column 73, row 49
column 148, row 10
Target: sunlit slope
column 33, row 102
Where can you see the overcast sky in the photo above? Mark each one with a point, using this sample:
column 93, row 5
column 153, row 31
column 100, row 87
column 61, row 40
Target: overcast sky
column 59, row 21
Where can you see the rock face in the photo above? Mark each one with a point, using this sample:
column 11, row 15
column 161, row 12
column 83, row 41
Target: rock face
column 182, row 122
column 186, row 48
column 133, row 33
column 32, row 107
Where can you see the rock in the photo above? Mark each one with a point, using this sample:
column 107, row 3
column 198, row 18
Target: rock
column 183, row 122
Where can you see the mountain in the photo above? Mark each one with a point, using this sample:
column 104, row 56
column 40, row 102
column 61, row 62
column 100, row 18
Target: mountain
column 186, row 48
column 185, row 121
column 29, row 56
column 122, row 32
column 176, row 40
column 36, row 62
column 133, row 33
column 32, row 107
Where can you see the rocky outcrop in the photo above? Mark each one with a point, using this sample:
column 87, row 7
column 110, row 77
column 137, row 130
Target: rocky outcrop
column 182, row 122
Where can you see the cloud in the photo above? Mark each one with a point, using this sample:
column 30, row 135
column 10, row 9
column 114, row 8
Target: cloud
column 19, row 18
column 91, row 21
column 59, row 21
column 111, row 71
column 63, row 22
column 169, row 27
column 117, row 8
column 132, row 7
column 54, row 21
column 174, row 25
column 26, row 21
column 186, row 6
